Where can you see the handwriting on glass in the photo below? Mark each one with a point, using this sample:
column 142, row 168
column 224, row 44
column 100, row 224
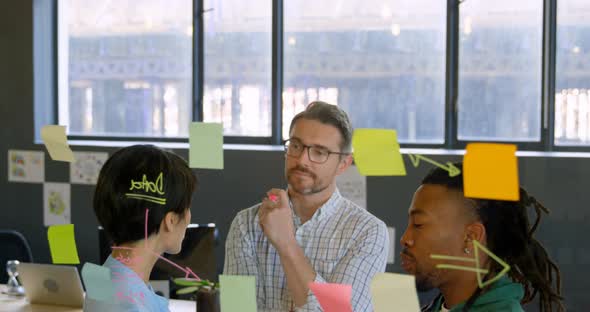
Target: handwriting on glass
column 147, row 186
column 122, row 280
column 125, row 258
column 156, row 188
column 132, row 297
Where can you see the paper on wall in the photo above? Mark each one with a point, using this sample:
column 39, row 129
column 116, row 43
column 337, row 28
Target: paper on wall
column 353, row 186
column 56, row 203
column 86, row 167
column 26, row 166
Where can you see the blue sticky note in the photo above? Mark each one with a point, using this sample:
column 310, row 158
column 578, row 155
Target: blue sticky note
column 97, row 280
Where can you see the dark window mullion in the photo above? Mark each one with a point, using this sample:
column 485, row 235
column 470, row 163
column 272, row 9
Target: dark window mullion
column 549, row 57
column 452, row 74
column 55, row 67
column 198, row 61
column 277, row 72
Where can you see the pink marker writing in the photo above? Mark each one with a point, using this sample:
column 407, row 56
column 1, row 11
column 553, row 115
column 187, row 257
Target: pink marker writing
column 132, row 278
column 128, row 260
column 132, row 297
column 129, row 278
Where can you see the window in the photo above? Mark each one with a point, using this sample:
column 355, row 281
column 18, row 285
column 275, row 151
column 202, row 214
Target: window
column 572, row 97
column 384, row 63
column 500, row 66
column 238, row 46
column 125, row 69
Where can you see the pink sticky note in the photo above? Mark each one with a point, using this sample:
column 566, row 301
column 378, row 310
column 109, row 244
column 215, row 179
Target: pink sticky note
column 332, row 297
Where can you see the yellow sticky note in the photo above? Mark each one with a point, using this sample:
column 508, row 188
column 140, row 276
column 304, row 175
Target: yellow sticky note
column 394, row 292
column 238, row 293
column 376, row 152
column 206, row 145
column 490, row 171
column 55, row 140
column 62, row 244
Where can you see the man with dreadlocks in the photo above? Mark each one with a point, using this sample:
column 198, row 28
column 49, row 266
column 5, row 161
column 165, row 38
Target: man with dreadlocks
column 443, row 222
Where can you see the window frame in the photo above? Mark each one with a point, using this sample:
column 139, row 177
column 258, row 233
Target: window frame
column 552, row 6
column 47, row 92
column 542, row 144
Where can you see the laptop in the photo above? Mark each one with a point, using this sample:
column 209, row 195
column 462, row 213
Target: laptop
column 51, row 284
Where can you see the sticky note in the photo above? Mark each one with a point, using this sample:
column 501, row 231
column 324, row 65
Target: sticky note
column 206, row 145
column 332, row 297
column 98, row 283
column 394, row 292
column 55, row 140
column 490, row 171
column 62, row 244
column 237, row 293
column 376, row 152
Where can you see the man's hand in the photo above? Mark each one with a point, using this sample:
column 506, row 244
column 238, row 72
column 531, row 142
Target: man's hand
column 276, row 219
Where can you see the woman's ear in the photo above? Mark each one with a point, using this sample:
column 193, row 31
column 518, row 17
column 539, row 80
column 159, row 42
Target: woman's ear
column 170, row 219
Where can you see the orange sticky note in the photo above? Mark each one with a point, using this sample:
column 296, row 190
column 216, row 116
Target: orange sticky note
column 62, row 244
column 490, row 171
column 332, row 297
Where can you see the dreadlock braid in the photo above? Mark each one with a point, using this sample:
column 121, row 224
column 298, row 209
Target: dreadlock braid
column 510, row 237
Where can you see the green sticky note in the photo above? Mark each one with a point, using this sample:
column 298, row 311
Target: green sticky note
column 62, row 244
column 98, row 282
column 376, row 152
column 56, row 142
column 206, row 145
column 238, row 293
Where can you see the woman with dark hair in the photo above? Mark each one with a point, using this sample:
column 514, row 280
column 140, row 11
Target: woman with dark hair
column 142, row 200
column 443, row 222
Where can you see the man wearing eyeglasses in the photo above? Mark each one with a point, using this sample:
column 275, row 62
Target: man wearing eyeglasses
column 309, row 232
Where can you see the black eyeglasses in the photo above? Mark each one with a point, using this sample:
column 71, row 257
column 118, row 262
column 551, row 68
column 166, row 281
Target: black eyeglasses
column 316, row 154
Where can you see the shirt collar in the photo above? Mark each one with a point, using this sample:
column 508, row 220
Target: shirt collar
column 327, row 209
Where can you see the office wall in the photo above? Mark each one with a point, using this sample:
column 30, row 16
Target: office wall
column 560, row 183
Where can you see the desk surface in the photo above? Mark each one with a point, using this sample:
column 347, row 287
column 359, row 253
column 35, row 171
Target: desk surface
column 20, row 304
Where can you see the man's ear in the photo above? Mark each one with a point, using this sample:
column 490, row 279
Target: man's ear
column 475, row 231
column 345, row 162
